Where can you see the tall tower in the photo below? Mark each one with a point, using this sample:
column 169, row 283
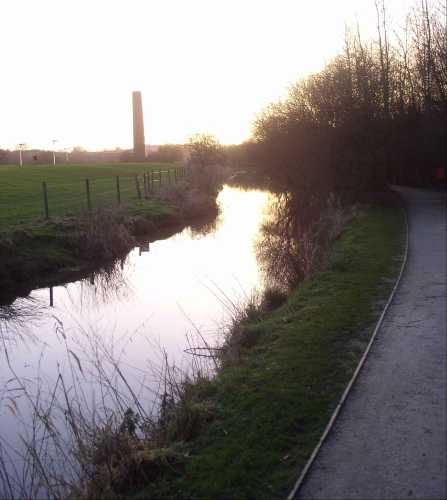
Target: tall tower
column 138, row 127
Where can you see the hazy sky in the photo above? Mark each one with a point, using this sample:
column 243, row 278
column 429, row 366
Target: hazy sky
column 69, row 66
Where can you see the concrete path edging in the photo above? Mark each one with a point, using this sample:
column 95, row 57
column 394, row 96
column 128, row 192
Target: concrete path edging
column 332, row 420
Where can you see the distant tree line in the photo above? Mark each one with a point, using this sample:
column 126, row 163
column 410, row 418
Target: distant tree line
column 169, row 153
column 375, row 114
column 76, row 155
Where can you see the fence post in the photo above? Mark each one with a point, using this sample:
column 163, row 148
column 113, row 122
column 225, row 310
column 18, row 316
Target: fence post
column 152, row 180
column 160, row 176
column 169, row 176
column 45, row 199
column 137, row 186
column 87, row 190
column 145, row 185
column 175, row 174
column 118, row 191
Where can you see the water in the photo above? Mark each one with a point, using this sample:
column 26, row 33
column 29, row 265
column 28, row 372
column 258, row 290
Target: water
column 143, row 309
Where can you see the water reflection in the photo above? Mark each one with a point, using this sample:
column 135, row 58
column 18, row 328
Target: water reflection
column 206, row 226
column 150, row 299
column 144, row 248
column 102, row 286
column 128, row 318
column 277, row 245
column 18, row 320
column 295, row 236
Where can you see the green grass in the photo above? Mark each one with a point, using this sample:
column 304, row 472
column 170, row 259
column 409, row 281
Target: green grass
column 21, row 197
column 44, row 252
column 271, row 407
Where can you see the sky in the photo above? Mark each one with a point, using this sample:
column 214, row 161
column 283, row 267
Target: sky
column 69, row 66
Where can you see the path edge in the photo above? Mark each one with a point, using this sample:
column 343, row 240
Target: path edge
column 302, row 477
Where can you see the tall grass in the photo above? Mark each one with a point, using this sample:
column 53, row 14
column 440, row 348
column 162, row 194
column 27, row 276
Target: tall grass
column 102, row 427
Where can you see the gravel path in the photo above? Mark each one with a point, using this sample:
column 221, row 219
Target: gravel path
column 389, row 441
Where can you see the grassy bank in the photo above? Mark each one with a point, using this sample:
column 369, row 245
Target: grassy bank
column 21, row 195
column 49, row 252
column 36, row 252
column 248, row 432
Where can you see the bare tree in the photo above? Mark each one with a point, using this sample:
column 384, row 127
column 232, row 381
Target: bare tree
column 204, row 150
column 205, row 155
column 384, row 53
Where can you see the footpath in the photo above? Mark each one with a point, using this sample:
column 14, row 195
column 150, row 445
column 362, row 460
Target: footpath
column 389, row 441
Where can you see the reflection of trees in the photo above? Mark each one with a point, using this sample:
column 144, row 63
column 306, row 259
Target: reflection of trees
column 277, row 248
column 295, row 237
column 16, row 319
column 103, row 286
column 206, row 225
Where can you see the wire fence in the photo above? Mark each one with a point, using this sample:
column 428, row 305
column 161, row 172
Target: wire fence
column 71, row 198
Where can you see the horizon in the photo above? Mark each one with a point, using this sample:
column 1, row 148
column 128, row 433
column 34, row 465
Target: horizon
column 201, row 68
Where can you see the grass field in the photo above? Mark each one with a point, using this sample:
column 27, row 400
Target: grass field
column 21, row 193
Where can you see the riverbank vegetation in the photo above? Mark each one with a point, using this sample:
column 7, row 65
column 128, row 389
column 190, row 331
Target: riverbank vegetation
column 269, row 404
column 241, row 422
column 247, row 431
